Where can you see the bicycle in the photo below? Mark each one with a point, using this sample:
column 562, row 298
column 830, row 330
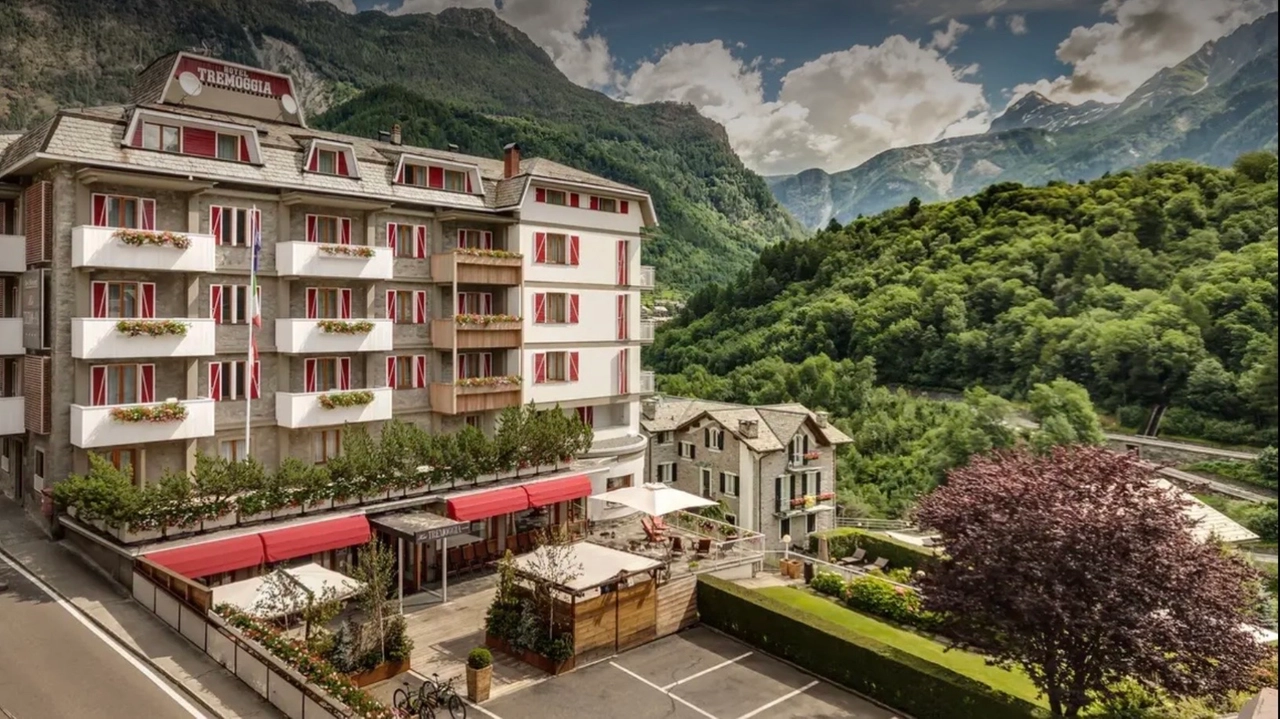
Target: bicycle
column 412, row 705
column 442, row 695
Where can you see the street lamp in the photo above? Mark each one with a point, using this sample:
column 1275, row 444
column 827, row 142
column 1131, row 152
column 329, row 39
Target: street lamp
column 786, row 546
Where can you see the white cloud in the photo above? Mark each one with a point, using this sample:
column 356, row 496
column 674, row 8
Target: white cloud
column 946, row 38
column 832, row 112
column 992, row 22
column 1111, row 59
column 1018, row 24
column 347, row 6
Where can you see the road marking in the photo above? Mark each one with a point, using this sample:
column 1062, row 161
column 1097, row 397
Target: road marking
column 781, row 699
column 706, row 714
column 106, row 638
column 481, row 709
column 721, row 665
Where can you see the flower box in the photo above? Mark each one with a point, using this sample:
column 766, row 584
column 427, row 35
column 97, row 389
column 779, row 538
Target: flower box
column 496, row 381
column 345, row 327
column 225, row 520
column 338, row 503
column 380, row 673
column 133, row 534
column 497, row 254
column 357, row 251
column 418, row 490
column 263, row 516
column 313, row 506
column 152, row 328
column 815, row 454
column 826, row 496
column 375, row 497
column 477, row 320
column 352, row 398
column 138, row 238
column 163, row 412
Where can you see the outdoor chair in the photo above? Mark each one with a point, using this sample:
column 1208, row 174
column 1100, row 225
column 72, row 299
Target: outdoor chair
column 880, row 564
column 525, row 541
column 704, row 547
column 856, row 558
column 654, row 535
column 677, row 545
column 468, row 557
column 659, row 524
column 492, row 550
column 513, row 544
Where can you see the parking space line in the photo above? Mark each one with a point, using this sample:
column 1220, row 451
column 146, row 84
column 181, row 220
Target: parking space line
column 781, row 699
column 481, row 709
column 708, row 670
column 704, row 713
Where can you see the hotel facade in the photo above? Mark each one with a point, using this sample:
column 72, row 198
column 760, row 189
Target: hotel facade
column 447, row 286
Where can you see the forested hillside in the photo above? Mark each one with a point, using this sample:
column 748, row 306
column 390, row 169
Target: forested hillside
column 461, row 76
column 1154, row 286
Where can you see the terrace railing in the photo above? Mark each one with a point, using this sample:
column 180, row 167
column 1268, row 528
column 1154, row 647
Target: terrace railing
column 773, row 557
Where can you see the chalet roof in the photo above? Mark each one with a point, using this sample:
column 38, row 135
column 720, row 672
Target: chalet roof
column 776, row 424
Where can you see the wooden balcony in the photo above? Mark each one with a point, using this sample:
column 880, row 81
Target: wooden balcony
column 450, row 334
column 448, row 398
column 476, row 269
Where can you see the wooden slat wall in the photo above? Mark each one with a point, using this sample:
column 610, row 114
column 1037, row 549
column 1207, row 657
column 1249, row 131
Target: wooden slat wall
column 637, row 615
column 185, row 589
column 594, row 620
column 38, row 206
column 36, row 392
column 677, row 605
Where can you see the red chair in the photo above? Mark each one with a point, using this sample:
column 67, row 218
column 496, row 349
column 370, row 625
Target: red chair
column 469, row 556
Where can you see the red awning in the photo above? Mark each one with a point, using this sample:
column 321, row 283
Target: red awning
column 558, row 490
column 315, row 537
column 201, row 560
column 482, row 505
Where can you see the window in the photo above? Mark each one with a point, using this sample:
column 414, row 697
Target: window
column 39, row 466
column 475, row 239
column 137, row 213
column 613, row 483
column 686, row 450
column 731, row 519
column 784, row 527
column 326, row 445
column 475, row 303
column 557, row 367
column 328, row 303
column 122, row 212
column 122, row 300
column 228, row 147
column 713, row 438
column 326, row 161
column 729, row 484
column 4, row 454
column 556, row 197
column 407, row 306
column 586, row 415
column 161, row 137
column 557, row 249
column 231, row 450
column 229, row 304
column 327, row 229
column 414, row 175
column 798, row 448
column 664, row 438
column 475, row 364
column 407, row 371
column 667, row 472
column 228, row 380
column 557, row 311
column 122, row 384
column 705, row 484
column 230, row 225
column 406, row 240
column 555, row 308
column 455, row 180
column 473, row 420
column 129, row 461
column 327, row 374
column 811, row 523
column 607, row 204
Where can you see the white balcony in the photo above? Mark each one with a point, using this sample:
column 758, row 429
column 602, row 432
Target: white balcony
column 308, row 337
column 647, row 328
column 98, row 247
column 95, row 427
column 313, row 259
column 13, row 254
column 647, row 277
column 100, row 339
column 13, row 415
column 300, row 410
column 11, row 336
column 647, row 385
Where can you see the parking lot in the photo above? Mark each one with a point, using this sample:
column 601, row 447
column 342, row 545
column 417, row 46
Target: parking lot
column 697, row 674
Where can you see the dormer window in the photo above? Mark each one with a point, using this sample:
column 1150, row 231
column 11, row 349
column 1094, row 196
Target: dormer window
column 190, row 136
column 331, row 158
column 327, row 161
column 161, row 137
column 437, row 174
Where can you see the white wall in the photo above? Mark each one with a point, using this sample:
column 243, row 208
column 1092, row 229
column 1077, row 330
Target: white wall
column 597, row 255
column 597, row 376
column 632, row 465
column 541, row 212
column 597, row 317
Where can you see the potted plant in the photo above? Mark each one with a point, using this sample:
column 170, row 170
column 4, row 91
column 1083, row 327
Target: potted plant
column 479, row 674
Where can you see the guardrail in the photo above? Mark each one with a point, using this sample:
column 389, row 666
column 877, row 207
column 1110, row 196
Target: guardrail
column 873, row 523
column 772, row 557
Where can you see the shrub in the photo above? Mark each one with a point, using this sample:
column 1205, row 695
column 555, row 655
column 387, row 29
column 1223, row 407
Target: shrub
column 873, row 595
column 828, row 583
column 843, row 542
column 1132, row 416
column 1266, row 466
column 479, row 658
column 889, row 675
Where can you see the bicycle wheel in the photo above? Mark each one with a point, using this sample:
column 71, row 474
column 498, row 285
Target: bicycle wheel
column 426, row 712
column 457, row 709
column 427, row 691
column 400, row 701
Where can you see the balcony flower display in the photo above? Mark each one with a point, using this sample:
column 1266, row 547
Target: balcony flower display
column 812, row 455
column 361, row 251
column 498, row 381
column 163, row 412
column 353, row 398
column 345, row 327
column 826, row 496
column 484, row 320
column 152, row 328
column 497, row 254
column 805, row 502
column 138, row 238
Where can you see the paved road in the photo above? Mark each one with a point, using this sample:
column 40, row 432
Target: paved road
column 1184, row 446
column 52, row 666
column 1231, row 490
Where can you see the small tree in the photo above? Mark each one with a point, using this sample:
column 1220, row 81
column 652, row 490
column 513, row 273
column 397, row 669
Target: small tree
column 1079, row 567
column 375, row 569
column 1065, row 413
column 552, row 564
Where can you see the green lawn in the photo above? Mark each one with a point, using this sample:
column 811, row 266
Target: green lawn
column 970, row 665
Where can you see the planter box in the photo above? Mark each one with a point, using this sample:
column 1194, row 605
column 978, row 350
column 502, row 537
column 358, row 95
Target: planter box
column 479, row 683
column 242, row 518
column 380, row 673
column 289, row 510
column 72, row 511
column 531, row 658
column 377, row 497
column 130, row 535
column 415, row 491
column 320, row 505
column 347, row 502
column 226, row 520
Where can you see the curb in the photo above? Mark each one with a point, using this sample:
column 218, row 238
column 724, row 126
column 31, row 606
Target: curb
column 126, row 645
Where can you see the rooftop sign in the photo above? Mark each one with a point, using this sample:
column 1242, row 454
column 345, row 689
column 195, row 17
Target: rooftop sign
column 202, row 82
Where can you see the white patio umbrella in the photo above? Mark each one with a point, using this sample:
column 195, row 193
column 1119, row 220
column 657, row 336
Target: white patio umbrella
column 654, row 499
column 256, row 597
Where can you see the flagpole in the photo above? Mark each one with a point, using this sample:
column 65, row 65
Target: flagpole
column 256, row 244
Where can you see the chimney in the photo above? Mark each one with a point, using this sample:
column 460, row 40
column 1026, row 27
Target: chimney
column 749, row 428
column 649, row 407
column 384, row 136
column 453, row 147
column 395, row 134
column 822, row 418
column 511, row 160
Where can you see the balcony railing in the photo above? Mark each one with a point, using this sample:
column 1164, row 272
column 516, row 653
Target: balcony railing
column 13, row 418
column 647, row 276
column 333, row 336
column 647, row 383
column 454, row 398
column 805, row 503
column 11, row 336
column 107, row 247
column 101, row 338
column 476, row 332
column 300, row 410
column 13, row 254
column 351, row 262
column 100, row 427
column 477, row 267
column 647, row 328
column 798, row 462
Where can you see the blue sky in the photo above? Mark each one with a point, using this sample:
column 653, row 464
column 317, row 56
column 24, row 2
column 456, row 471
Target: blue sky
column 830, row 83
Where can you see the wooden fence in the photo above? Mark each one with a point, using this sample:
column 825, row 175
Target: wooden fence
column 677, row 605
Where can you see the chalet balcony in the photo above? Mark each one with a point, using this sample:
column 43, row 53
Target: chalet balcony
column 13, row 254
column 113, row 248
column 647, row 383
column 477, row 267
column 477, row 332
column 107, row 338
column 647, row 328
column 329, row 336
column 802, row 462
column 301, row 410
column 110, row 425
column 475, row 395
column 11, row 336
column 647, row 277
column 788, row 506
column 13, row 418
column 347, row 262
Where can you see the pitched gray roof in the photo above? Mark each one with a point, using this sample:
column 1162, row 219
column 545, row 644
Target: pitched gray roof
column 777, row 424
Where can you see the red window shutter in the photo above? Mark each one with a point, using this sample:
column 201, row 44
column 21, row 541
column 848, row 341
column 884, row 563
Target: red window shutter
column 573, row 250
column 136, row 140
column 311, row 229
column 100, row 210
column 622, row 317
column 462, row 367
column 540, row 308
column 196, row 141
column 215, row 380
column 391, row 305
column 344, row 303
column 624, row 207
column 540, row 194
column 462, row 303
column 391, row 372
column 313, row 162
column 391, row 237
column 344, row 229
column 435, row 177
column 342, row 165
column 540, row 247
column 309, row 375
column 98, row 380
column 595, row 202
column 462, row 238
column 419, row 306
column 255, row 381
column 215, row 224
column 573, row 309
column 99, row 299
column 486, row 303
column 215, row 303
column 469, row 183
column 420, row 235
column 344, row 373
column 400, row 172
column 540, row 367
column 148, row 214
column 623, row 279
column 486, row 363
column 573, row 366
column 419, row 371
column 148, row 292
column 573, row 199
column 147, row 382
column 487, row 240
column 313, row 303
column 244, row 149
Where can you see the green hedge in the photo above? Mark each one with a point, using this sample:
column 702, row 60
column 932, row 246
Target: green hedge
column 898, row 679
column 842, row 542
